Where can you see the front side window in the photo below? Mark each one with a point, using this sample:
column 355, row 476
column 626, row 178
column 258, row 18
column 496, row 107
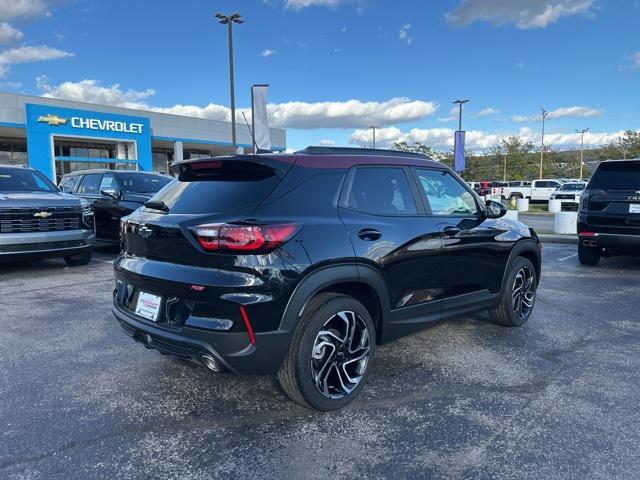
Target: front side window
column 90, row 185
column 445, row 194
column 381, row 191
column 108, row 182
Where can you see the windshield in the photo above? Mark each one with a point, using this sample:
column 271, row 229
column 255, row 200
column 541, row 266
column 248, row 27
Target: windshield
column 572, row 187
column 616, row 176
column 142, row 182
column 24, row 180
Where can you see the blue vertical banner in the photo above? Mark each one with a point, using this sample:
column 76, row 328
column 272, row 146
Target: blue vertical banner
column 459, row 151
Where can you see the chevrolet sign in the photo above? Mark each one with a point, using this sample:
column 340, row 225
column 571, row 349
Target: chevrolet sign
column 108, row 125
column 52, row 120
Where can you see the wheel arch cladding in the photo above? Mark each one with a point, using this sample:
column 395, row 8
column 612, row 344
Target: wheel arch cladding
column 527, row 249
column 346, row 279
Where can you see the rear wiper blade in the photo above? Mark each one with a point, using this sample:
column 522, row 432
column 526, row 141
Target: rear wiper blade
column 157, row 205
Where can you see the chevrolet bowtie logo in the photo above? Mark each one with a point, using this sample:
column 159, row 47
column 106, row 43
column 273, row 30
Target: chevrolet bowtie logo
column 42, row 214
column 52, row 120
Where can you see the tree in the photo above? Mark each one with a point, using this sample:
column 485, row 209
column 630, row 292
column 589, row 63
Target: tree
column 417, row 147
column 521, row 161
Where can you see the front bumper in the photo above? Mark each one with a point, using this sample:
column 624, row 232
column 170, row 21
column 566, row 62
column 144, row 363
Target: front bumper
column 231, row 349
column 32, row 245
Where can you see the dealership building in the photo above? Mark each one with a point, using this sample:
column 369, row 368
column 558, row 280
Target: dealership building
column 60, row 136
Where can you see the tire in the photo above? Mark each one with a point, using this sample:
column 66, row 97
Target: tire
column 310, row 351
column 510, row 312
column 78, row 260
column 588, row 255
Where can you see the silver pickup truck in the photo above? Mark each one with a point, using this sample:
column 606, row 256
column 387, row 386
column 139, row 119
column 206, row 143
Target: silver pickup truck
column 39, row 221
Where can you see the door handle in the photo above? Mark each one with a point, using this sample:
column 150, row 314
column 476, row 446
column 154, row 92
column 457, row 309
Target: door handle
column 450, row 231
column 369, row 234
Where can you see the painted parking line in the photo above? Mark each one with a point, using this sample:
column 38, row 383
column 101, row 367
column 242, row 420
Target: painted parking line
column 567, row 257
column 102, row 260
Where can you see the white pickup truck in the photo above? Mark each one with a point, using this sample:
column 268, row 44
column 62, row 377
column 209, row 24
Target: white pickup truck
column 540, row 190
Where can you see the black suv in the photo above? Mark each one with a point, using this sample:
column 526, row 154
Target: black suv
column 38, row 221
column 301, row 264
column 609, row 216
column 113, row 195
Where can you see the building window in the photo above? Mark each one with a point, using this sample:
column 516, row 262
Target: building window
column 162, row 160
column 13, row 151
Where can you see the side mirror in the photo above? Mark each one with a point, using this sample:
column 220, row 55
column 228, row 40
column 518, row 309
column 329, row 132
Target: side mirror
column 495, row 209
column 111, row 192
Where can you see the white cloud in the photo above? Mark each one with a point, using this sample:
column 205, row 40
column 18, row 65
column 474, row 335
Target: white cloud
column 267, row 52
column 327, row 143
column 345, row 114
column 10, row 85
column 93, row 91
column 404, row 33
column 11, row 9
column 453, row 115
column 9, row 34
column 300, row 4
column 524, row 14
column 487, row 112
column 477, row 140
column 563, row 112
column 29, row 54
column 636, row 59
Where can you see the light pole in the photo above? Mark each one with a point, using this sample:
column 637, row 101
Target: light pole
column 582, row 132
column 544, row 115
column 504, row 174
column 229, row 20
column 460, row 103
column 373, row 129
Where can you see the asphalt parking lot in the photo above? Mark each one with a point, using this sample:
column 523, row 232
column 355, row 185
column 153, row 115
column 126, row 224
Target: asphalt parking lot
column 557, row 398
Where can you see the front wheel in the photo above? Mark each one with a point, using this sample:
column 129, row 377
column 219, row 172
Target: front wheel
column 78, row 260
column 331, row 353
column 519, row 295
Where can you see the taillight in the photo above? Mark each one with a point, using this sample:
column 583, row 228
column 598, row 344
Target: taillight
column 244, row 238
column 584, row 202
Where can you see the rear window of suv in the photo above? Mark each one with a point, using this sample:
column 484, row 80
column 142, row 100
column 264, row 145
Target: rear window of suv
column 616, row 176
column 218, row 186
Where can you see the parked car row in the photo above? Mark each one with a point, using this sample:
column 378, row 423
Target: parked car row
column 39, row 220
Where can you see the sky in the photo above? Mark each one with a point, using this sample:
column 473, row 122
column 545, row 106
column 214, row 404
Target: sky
column 335, row 67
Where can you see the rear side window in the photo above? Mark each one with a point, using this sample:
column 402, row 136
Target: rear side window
column 68, row 183
column 616, row 176
column 90, row 185
column 382, row 191
column 218, row 186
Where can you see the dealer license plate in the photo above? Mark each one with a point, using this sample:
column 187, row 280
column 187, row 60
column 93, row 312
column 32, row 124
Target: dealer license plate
column 634, row 208
column 148, row 305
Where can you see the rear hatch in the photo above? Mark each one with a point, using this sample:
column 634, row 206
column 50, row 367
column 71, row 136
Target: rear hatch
column 613, row 198
column 221, row 190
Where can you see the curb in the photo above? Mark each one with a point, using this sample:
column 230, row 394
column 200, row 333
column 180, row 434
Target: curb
column 556, row 238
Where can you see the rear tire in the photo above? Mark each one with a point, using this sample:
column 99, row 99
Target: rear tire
column 78, row 260
column 519, row 295
column 588, row 255
column 326, row 371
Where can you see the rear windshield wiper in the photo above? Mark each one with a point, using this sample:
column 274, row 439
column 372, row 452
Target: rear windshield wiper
column 157, row 205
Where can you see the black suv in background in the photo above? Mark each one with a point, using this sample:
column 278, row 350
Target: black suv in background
column 301, row 264
column 609, row 216
column 113, row 194
column 38, row 221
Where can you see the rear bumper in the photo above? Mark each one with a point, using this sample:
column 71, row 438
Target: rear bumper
column 231, row 349
column 35, row 245
column 617, row 242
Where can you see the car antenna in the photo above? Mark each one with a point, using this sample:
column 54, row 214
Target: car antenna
column 253, row 138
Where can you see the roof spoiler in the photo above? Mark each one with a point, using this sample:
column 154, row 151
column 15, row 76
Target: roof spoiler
column 213, row 166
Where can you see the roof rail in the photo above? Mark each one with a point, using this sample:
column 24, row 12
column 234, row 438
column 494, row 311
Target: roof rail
column 319, row 150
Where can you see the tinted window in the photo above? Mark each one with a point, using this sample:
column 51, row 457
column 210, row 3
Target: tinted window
column 546, row 184
column 90, row 185
column 617, row 176
column 67, row 183
column 382, row 191
column 572, row 187
column 142, row 182
column 108, row 182
column 24, row 180
column 225, row 186
column 446, row 195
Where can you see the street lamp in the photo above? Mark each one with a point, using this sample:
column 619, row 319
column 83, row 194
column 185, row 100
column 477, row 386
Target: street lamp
column 373, row 129
column 544, row 115
column 460, row 103
column 229, row 20
column 582, row 132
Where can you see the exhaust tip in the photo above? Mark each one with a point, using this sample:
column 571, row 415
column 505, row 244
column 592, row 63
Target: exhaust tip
column 211, row 363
